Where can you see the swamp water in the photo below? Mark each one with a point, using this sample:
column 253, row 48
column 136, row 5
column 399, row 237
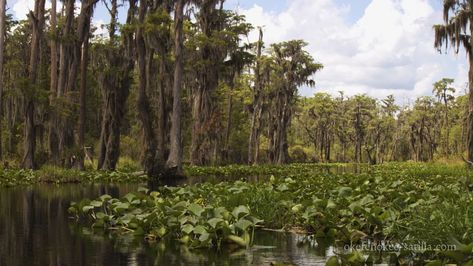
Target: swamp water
column 35, row 229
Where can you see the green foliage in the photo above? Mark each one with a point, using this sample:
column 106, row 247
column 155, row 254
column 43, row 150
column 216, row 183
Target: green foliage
column 58, row 175
column 180, row 213
column 128, row 165
column 398, row 202
column 300, row 154
column 345, row 129
column 21, row 177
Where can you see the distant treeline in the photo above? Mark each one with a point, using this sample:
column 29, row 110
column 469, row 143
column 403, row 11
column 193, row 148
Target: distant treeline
column 364, row 129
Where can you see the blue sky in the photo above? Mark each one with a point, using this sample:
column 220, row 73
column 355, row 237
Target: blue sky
column 377, row 47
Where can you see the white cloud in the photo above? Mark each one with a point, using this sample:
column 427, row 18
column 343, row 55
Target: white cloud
column 101, row 30
column 389, row 50
column 21, row 8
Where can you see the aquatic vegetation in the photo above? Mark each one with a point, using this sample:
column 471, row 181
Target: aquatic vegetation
column 403, row 203
column 19, row 177
column 245, row 171
column 180, row 214
column 58, row 175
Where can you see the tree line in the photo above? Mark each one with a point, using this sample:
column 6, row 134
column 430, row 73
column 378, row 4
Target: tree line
column 179, row 82
column 161, row 88
column 364, row 129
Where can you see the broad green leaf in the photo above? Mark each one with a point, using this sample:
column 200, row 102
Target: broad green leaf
column 100, row 215
column 196, row 209
column 122, row 206
column 204, row 237
column 237, row 240
column 214, row 221
column 243, row 224
column 143, row 190
column 331, row 204
column 240, row 211
column 130, row 197
column 180, row 205
column 187, row 228
column 283, row 187
column 199, row 230
column 162, row 231
column 105, row 197
column 96, row 203
column 344, row 191
column 87, row 208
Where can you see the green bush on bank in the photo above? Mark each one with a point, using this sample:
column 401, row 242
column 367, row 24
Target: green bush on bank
column 58, row 175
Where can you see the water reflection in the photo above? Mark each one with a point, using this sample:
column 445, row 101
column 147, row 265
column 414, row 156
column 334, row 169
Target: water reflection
column 34, row 227
column 35, row 230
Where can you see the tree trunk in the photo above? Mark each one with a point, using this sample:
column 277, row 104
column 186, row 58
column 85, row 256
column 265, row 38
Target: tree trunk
column 200, row 148
column 37, row 21
column 83, row 95
column 174, row 161
column 470, row 107
column 327, row 148
column 2, row 48
column 282, row 156
column 149, row 155
column 470, row 102
column 202, row 107
column 115, row 87
column 162, row 110
column 53, row 138
column 228, row 127
column 78, row 59
column 65, row 55
column 272, row 133
column 257, row 107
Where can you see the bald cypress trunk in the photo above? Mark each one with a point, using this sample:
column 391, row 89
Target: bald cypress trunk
column 470, row 99
column 150, row 160
column 65, row 55
column 115, row 84
column 203, row 127
column 53, row 138
column 80, row 61
column 2, row 45
column 174, row 161
column 282, row 155
column 83, row 96
column 257, row 107
column 37, row 22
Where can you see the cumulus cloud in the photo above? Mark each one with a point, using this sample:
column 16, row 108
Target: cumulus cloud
column 389, row 50
column 101, row 30
column 21, row 8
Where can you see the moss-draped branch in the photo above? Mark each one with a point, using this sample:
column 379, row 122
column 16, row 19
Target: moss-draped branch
column 455, row 30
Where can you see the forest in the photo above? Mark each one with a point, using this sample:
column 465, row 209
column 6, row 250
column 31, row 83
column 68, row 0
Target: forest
column 174, row 133
column 169, row 88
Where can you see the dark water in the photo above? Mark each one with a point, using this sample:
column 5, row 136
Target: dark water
column 35, row 229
